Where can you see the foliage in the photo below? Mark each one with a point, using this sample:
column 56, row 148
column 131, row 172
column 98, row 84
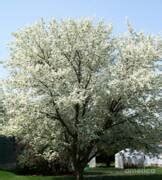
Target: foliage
column 30, row 163
column 3, row 116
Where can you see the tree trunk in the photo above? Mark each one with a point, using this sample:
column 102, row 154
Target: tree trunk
column 79, row 175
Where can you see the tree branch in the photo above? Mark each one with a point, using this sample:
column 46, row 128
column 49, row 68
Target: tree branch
column 58, row 115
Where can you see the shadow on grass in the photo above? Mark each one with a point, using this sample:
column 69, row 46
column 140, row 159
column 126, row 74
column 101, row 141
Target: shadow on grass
column 103, row 171
column 139, row 177
column 90, row 174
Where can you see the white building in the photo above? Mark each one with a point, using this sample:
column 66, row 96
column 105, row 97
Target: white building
column 127, row 158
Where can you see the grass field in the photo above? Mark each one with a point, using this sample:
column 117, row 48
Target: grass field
column 96, row 174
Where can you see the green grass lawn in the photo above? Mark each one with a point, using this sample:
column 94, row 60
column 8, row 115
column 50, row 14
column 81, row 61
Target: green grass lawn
column 5, row 175
column 96, row 173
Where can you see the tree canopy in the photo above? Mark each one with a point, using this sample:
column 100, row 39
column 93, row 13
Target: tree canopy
column 74, row 83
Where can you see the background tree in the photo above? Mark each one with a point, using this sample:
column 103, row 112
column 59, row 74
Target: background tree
column 72, row 83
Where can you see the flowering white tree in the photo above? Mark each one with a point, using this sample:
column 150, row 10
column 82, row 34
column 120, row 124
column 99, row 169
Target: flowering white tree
column 72, row 82
column 3, row 117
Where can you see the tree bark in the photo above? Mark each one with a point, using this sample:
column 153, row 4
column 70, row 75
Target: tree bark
column 79, row 175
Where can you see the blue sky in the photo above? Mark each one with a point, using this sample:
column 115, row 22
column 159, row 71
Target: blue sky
column 145, row 15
